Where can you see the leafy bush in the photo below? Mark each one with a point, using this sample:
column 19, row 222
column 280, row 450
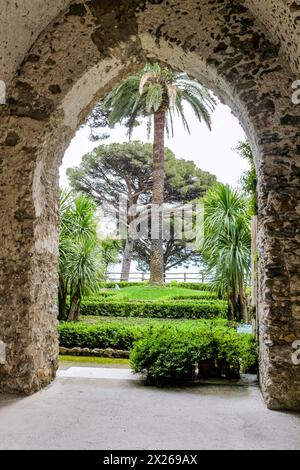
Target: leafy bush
column 176, row 352
column 193, row 285
column 161, row 309
column 199, row 295
column 169, row 350
column 105, row 335
column 105, row 294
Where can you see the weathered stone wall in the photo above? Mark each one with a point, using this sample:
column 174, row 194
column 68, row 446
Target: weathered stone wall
column 28, row 233
column 280, row 21
column 249, row 59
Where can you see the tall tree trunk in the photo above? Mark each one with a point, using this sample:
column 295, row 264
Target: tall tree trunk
column 244, row 309
column 126, row 262
column 62, row 300
column 75, row 303
column 233, row 304
column 157, row 251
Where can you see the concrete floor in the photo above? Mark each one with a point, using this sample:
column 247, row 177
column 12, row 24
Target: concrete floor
column 80, row 413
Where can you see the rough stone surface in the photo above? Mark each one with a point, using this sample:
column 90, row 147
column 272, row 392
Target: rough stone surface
column 119, row 414
column 247, row 51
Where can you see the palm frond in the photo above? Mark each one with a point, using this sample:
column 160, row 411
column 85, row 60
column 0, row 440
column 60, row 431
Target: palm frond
column 147, row 76
column 154, row 98
column 156, row 87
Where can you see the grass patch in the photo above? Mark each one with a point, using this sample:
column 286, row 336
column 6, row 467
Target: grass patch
column 148, row 293
column 94, row 360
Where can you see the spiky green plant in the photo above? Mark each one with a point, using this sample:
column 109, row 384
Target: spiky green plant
column 83, row 258
column 227, row 246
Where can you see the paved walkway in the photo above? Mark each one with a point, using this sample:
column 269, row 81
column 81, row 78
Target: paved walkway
column 98, row 373
column 85, row 413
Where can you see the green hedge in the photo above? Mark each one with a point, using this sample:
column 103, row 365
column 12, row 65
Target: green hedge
column 103, row 335
column 162, row 309
column 188, row 285
column 169, row 351
column 193, row 285
column 112, row 284
column 173, row 353
column 111, row 295
column 199, row 295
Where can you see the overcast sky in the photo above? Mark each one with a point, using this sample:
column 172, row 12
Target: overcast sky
column 211, row 151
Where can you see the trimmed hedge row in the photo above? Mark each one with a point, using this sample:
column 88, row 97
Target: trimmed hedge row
column 112, row 284
column 170, row 351
column 193, row 285
column 163, row 309
column 112, row 295
column 188, row 285
column 174, row 353
column 104, row 335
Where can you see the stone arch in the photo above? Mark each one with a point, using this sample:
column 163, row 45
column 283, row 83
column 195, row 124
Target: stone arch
column 87, row 48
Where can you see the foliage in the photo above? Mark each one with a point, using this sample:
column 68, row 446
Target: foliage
column 177, row 253
column 93, row 320
column 126, row 169
column 121, row 284
column 102, row 335
column 227, row 245
column 98, row 120
column 168, row 350
column 153, row 293
column 248, row 180
column 158, row 92
column 82, row 258
column 203, row 286
column 158, row 309
column 175, row 352
column 187, row 285
column 115, row 170
column 155, row 88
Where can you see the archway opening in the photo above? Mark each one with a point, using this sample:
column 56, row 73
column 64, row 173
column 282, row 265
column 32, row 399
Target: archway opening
column 54, row 90
column 113, row 169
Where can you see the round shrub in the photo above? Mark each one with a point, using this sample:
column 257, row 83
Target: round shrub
column 177, row 352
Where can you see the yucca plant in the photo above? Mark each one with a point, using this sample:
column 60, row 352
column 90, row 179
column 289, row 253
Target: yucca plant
column 227, row 245
column 83, row 258
column 158, row 93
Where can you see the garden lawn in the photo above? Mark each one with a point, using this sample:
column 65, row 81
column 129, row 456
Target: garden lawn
column 148, row 293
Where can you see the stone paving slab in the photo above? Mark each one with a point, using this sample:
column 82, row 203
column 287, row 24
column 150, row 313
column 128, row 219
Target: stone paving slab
column 99, row 373
column 80, row 413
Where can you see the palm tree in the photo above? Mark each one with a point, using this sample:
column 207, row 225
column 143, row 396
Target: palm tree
column 83, row 259
column 227, row 245
column 158, row 92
